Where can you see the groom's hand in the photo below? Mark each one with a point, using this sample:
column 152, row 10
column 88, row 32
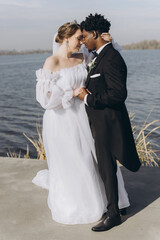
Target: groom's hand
column 82, row 95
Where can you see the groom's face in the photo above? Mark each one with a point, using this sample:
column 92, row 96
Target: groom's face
column 89, row 40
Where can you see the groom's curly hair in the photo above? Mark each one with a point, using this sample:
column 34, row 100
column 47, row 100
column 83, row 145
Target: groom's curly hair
column 95, row 22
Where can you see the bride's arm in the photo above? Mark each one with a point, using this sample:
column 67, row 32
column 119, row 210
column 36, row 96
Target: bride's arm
column 108, row 38
column 48, row 94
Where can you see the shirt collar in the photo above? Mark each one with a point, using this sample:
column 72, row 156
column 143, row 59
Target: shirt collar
column 100, row 49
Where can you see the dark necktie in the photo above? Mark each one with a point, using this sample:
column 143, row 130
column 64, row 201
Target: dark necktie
column 95, row 53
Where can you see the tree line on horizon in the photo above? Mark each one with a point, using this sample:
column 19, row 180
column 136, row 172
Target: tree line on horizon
column 16, row 52
column 153, row 44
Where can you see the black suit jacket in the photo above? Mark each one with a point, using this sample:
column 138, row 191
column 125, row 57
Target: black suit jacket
column 106, row 108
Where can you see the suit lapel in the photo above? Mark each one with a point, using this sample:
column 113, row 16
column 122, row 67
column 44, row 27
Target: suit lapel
column 88, row 76
column 98, row 59
column 100, row 56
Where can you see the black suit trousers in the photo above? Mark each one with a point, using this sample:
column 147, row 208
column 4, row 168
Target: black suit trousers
column 107, row 166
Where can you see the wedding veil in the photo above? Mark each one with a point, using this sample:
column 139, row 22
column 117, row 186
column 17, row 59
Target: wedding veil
column 55, row 44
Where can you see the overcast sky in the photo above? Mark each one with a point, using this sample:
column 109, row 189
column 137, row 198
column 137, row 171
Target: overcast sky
column 31, row 24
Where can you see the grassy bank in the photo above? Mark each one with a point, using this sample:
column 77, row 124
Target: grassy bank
column 146, row 149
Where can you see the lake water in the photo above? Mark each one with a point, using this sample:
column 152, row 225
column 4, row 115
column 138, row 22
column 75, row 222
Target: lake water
column 19, row 110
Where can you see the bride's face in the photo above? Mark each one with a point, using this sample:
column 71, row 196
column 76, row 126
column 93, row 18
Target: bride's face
column 75, row 42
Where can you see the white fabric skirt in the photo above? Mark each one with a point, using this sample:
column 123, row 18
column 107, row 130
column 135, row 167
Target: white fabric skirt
column 76, row 191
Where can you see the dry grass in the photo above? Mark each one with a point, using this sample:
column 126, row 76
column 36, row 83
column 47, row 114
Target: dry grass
column 13, row 154
column 144, row 142
column 143, row 139
column 38, row 144
column 17, row 155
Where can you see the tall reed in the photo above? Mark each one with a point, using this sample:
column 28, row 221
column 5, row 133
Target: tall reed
column 143, row 139
column 38, row 143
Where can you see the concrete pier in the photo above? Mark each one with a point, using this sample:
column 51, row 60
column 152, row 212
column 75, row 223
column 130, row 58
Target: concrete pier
column 24, row 214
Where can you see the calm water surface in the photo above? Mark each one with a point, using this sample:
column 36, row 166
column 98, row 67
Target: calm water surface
column 19, row 110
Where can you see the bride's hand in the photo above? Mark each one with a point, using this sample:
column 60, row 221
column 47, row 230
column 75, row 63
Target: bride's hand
column 107, row 37
column 77, row 91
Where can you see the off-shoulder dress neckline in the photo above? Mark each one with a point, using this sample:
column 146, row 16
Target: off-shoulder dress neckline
column 51, row 72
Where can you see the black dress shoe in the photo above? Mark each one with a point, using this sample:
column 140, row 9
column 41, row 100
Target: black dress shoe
column 105, row 214
column 107, row 223
column 122, row 212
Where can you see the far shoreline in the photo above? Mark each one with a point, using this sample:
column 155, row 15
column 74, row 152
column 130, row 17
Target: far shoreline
column 143, row 45
column 15, row 52
column 10, row 53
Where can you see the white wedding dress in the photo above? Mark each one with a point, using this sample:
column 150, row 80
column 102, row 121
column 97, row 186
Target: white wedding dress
column 76, row 191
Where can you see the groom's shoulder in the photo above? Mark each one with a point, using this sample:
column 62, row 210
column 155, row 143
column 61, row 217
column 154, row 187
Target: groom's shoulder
column 112, row 53
column 110, row 50
column 113, row 57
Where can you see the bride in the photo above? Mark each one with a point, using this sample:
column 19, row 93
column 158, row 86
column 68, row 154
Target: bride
column 76, row 191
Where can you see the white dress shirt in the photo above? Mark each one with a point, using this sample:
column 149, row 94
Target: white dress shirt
column 98, row 52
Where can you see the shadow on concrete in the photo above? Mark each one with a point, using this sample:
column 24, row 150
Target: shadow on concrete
column 143, row 188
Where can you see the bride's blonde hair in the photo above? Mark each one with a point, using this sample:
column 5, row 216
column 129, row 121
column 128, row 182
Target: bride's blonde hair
column 66, row 30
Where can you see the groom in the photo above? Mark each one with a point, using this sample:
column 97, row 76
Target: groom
column 104, row 96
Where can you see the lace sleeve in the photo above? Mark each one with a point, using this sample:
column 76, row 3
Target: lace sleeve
column 67, row 99
column 48, row 94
